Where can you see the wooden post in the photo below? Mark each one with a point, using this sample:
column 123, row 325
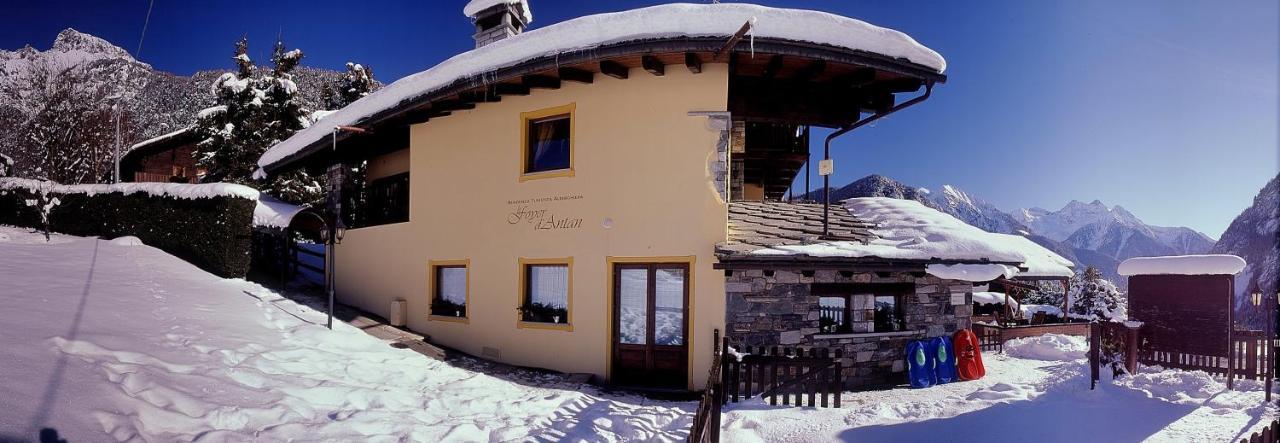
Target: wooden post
column 1231, row 329
column 1131, row 351
column 1066, row 306
column 1095, row 342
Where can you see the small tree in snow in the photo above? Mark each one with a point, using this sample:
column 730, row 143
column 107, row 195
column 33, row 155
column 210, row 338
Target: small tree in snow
column 1097, row 298
column 6, row 165
column 44, row 201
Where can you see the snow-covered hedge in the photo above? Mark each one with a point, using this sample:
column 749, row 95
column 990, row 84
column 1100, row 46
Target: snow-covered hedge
column 207, row 225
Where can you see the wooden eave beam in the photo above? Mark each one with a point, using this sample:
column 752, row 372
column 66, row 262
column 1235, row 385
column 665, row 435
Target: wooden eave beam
column 576, row 75
column 451, row 105
column 771, row 68
column 904, row 84
column 859, row 77
column 653, row 65
column 692, row 62
column 613, row 69
column 728, row 46
column 540, row 82
column 502, row 89
column 811, row 70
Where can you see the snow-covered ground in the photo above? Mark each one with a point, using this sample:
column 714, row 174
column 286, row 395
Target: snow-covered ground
column 106, row 341
column 1042, row 394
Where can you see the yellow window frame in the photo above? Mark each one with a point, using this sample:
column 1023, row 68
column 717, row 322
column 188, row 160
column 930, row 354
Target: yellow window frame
column 522, row 294
column 433, row 268
column 527, row 118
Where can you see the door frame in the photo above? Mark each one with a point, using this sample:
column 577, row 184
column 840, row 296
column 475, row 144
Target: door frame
column 610, row 325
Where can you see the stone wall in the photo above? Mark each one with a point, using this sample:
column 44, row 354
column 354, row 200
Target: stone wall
column 779, row 309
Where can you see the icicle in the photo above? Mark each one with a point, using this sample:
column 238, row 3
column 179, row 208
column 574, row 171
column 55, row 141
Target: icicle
column 752, row 33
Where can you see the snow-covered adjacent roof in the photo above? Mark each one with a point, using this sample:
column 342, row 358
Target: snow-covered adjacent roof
column 1183, row 265
column 909, row 230
column 161, row 139
column 993, row 298
column 656, row 22
column 272, row 213
column 476, row 6
column 175, row 190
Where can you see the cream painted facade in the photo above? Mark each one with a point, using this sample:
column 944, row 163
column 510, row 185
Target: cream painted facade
column 643, row 186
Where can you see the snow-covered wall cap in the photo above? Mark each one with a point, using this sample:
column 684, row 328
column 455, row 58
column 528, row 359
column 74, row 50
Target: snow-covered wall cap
column 973, row 272
column 175, row 190
column 663, row 21
column 475, row 6
column 1216, row 264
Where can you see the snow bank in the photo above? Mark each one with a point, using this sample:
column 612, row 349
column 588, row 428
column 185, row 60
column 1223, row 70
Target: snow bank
column 127, row 240
column 272, row 213
column 1048, row 347
column 907, row 229
column 175, row 190
column 1183, row 265
column 1029, row 310
column 662, row 21
column 475, row 6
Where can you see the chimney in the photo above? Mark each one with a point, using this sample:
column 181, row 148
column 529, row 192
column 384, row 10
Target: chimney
column 497, row 19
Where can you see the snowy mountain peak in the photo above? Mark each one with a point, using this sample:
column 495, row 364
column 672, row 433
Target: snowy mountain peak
column 72, row 40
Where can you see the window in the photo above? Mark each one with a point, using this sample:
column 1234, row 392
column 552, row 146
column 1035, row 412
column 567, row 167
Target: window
column 450, row 289
column 845, row 309
column 388, row 200
column 547, row 146
column 546, row 295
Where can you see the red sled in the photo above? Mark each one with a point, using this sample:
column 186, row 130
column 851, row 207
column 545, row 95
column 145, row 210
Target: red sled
column 968, row 355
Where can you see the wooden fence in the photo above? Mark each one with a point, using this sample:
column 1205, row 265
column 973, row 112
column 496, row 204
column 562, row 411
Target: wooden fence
column 706, row 420
column 1110, row 343
column 1249, row 349
column 1269, row 434
column 791, row 373
column 990, row 338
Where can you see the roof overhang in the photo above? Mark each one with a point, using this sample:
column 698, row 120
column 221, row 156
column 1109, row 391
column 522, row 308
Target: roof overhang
column 582, row 64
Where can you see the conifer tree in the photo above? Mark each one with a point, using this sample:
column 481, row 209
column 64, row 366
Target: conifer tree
column 1096, row 297
column 255, row 109
column 355, row 84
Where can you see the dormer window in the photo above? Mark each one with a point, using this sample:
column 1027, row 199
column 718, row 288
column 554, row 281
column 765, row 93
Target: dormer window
column 547, row 148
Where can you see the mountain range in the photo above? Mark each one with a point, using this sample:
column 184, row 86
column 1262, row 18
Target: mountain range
column 1089, row 234
column 160, row 102
column 1254, row 235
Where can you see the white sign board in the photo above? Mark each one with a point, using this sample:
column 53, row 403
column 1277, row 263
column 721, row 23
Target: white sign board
column 825, row 167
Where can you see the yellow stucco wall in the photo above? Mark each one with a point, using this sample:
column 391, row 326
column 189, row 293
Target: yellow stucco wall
column 642, row 167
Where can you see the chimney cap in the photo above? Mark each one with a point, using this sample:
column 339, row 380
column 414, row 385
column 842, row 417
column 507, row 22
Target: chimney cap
column 476, row 9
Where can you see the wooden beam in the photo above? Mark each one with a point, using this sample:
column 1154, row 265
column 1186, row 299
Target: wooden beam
column 502, row 89
column 692, row 62
column 653, row 65
column 613, row 69
column 451, row 105
column 904, row 84
column 861, row 77
column 480, row 96
column 728, row 46
column 540, row 82
column 811, row 70
column 733, row 64
column 771, row 68
column 576, row 75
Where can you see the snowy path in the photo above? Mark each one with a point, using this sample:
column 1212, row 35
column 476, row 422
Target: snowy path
column 131, row 342
column 1023, row 399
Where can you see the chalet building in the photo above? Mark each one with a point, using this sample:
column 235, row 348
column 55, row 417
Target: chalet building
column 166, row 158
column 597, row 196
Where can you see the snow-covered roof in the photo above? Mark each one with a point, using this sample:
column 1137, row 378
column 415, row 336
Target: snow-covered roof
column 656, row 22
column 909, row 230
column 272, row 213
column 1215, row 264
column 160, row 139
column 175, row 190
column 476, row 6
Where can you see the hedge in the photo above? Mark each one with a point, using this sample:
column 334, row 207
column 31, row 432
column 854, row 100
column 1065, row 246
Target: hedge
column 212, row 231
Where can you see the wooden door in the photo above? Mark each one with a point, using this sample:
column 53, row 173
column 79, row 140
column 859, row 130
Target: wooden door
column 650, row 325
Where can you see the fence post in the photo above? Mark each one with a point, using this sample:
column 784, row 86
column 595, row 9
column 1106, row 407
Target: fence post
column 1131, row 351
column 1095, row 336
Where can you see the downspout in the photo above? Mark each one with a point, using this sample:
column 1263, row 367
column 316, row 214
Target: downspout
column 826, row 150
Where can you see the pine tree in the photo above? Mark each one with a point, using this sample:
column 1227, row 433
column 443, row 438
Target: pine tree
column 1095, row 297
column 355, row 84
column 255, row 109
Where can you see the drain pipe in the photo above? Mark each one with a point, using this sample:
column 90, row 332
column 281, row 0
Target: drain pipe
column 826, row 150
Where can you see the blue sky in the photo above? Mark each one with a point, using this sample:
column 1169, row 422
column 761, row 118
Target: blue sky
column 1168, row 108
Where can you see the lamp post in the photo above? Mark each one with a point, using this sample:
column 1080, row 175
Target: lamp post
column 336, row 176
